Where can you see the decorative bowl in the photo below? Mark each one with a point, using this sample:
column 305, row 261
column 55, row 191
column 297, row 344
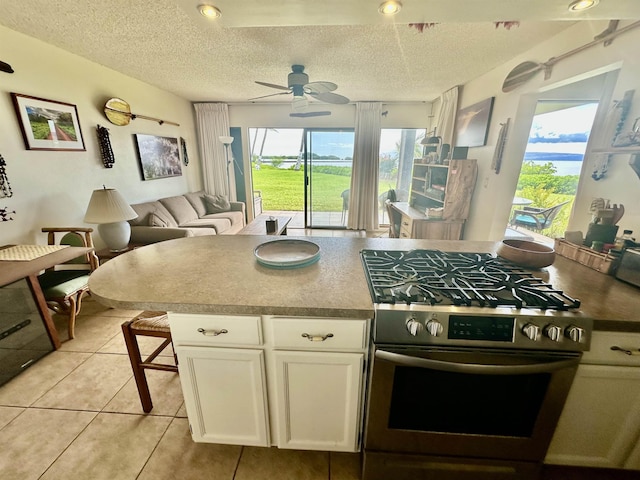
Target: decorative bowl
column 526, row 253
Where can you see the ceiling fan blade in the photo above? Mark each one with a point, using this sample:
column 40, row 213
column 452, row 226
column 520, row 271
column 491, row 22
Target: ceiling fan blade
column 299, row 103
column 330, row 98
column 271, row 95
column 320, row 87
column 309, row 114
column 272, row 85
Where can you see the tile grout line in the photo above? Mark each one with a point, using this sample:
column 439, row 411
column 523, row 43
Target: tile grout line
column 155, row 447
column 235, row 470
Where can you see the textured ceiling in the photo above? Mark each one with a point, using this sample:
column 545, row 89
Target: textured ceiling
column 168, row 44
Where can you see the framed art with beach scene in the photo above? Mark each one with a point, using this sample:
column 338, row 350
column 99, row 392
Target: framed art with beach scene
column 472, row 124
column 48, row 124
column 159, row 156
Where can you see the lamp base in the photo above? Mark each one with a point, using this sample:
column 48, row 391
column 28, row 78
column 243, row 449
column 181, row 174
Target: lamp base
column 116, row 235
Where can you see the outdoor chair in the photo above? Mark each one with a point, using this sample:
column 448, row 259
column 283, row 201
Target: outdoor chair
column 65, row 285
column 536, row 219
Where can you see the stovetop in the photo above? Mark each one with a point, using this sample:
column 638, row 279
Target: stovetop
column 436, row 278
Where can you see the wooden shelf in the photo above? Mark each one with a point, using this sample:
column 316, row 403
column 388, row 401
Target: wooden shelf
column 425, row 195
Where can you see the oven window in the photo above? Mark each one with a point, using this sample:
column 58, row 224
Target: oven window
column 435, row 401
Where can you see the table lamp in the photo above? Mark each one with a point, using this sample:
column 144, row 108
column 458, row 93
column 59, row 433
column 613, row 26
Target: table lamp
column 110, row 211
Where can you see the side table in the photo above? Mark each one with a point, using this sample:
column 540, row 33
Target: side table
column 106, row 254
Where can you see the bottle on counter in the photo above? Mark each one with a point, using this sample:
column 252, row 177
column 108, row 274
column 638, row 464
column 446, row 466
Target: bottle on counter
column 625, row 240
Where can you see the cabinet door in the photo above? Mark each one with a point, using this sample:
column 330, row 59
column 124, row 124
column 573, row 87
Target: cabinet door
column 318, row 400
column 224, row 393
column 600, row 422
column 439, row 230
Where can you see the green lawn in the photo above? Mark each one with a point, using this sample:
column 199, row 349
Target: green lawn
column 283, row 189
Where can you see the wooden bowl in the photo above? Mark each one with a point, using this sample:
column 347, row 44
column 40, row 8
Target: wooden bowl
column 526, row 253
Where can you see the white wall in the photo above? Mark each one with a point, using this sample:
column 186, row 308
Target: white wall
column 493, row 194
column 53, row 188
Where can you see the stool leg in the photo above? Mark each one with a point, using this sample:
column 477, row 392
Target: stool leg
column 138, row 373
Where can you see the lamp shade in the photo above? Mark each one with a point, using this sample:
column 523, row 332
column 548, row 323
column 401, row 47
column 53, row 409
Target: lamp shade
column 108, row 206
column 227, row 140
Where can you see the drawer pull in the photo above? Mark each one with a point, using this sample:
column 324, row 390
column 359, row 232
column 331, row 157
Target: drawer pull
column 212, row 333
column 317, row 338
column 624, row 350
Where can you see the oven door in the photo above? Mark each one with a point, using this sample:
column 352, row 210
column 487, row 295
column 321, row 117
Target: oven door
column 466, row 402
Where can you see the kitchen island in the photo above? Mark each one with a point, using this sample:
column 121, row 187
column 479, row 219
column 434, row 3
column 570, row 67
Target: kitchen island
column 220, row 275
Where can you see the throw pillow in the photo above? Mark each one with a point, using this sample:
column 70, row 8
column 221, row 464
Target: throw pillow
column 156, row 220
column 216, row 203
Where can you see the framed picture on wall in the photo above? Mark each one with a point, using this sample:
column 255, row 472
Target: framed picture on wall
column 159, row 156
column 472, row 124
column 47, row 124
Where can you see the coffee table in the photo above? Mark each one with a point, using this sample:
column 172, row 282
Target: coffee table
column 259, row 226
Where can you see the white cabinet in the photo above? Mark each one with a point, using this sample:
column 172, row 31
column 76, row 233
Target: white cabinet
column 318, row 400
column 298, row 386
column 600, row 423
column 317, row 376
column 222, row 372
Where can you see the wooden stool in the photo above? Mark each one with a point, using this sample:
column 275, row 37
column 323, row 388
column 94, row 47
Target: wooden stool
column 148, row 324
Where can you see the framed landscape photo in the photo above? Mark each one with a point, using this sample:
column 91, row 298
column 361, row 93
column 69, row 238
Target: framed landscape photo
column 472, row 124
column 47, row 124
column 159, row 156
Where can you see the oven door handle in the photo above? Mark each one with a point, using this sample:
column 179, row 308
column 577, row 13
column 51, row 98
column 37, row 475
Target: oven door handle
column 477, row 368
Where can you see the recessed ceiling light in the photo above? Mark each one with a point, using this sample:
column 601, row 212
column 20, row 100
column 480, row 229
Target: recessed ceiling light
column 209, row 11
column 391, row 7
column 580, row 5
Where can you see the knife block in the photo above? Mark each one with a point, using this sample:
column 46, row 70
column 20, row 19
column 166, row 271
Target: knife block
column 600, row 233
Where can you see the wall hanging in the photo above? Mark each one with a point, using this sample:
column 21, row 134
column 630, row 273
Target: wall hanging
column 159, row 157
column 5, row 186
column 499, row 151
column 185, row 157
column 48, row 124
column 119, row 113
column 472, row 124
column 108, row 159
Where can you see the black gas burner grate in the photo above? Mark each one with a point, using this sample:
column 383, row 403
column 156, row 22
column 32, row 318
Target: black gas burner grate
column 432, row 277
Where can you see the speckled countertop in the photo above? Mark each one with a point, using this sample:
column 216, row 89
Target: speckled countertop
column 219, row 274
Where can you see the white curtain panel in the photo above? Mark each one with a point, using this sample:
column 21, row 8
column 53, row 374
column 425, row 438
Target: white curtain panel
column 363, row 198
column 213, row 122
column 447, row 119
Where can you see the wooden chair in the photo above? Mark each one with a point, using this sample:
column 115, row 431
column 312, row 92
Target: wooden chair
column 65, row 285
column 537, row 219
column 149, row 324
column 394, row 220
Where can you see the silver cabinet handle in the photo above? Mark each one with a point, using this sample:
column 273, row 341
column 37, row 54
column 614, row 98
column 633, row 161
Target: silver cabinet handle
column 212, row 333
column 317, row 338
column 625, row 351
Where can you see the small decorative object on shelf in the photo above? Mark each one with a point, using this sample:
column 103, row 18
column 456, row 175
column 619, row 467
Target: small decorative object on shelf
column 108, row 159
column 5, row 186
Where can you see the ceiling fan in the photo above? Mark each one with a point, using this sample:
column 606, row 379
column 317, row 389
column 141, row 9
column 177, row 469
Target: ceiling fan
column 299, row 85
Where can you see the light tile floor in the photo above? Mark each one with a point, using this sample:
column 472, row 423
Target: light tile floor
column 76, row 415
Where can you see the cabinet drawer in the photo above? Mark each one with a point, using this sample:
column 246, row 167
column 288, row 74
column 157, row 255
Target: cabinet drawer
column 406, row 227
column 201, row 329
column 601, row 353
column 319, row 333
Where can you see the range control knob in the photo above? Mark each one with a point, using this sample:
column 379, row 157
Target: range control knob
column 434, row 327
column 413, row 326
column 575, row 333
column 554, row 332
column 531, row 331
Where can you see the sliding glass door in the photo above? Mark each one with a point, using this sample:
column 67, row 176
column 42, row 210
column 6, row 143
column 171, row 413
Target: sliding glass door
column 328, row 165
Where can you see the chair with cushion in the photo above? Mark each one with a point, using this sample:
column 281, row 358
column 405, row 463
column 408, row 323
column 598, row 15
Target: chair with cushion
column 148, row 324
column 537, row 219
column 65, row 285
column 394, row 220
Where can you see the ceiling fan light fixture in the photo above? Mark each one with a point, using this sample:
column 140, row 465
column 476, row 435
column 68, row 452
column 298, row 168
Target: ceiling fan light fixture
column 581, row 5
column 390, row 7
column 209, row 11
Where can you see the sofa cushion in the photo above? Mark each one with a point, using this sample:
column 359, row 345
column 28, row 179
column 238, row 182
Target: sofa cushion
column 197, row 202
column 220, row 224
column 156, row 220
column 180, row 209
column 144, row 210
column 216, row 204
column 236, row 218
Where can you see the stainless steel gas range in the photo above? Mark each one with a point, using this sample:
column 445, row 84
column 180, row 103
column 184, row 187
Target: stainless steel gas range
column 473, row 360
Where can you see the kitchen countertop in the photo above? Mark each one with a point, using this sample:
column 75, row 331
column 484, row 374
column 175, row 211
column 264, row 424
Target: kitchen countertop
column 219, row 274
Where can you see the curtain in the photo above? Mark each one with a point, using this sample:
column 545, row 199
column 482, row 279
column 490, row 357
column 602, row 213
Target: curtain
column 363, row 198
column 447, row 119
column 212, row 121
